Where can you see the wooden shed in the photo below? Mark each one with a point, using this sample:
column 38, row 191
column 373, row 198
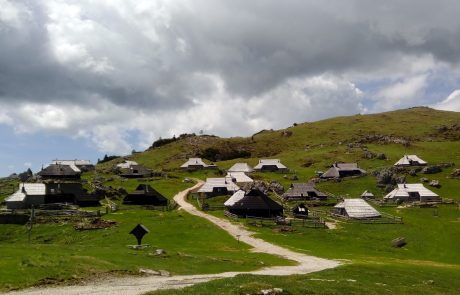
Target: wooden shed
column 303, row 191
column 254, row 204
column 145, row 195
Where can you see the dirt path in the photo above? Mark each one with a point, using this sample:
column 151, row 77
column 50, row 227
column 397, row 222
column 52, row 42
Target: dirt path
column 140, row 285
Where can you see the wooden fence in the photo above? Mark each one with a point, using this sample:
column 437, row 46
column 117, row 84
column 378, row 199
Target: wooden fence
column 385, row 219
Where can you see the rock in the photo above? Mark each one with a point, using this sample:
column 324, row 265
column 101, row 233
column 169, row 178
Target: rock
column 435, row 183
column 412, row 172
column 294, row 177
column 286, row 133
column 381, row 156
column 187, row 180
column 277, row 187
column 277, row 290
column 388, row 188
column 431, row 169
column 160, row 252
column 369, row 155
column 149, row 272
column 424, row 179
column 455, row 173
column 400, row 179
column 285, row 176
column 164, row 273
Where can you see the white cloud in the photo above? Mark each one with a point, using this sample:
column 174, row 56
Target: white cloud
column 451, row 103
column 401, row 93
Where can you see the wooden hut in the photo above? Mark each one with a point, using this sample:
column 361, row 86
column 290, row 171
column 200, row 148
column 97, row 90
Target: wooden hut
column 135, row 171
column 58, row 171
column 145, row 195
column 410, row 160
column 356, row 209
column 339, row 170
column 409, row 192
column 270, row 165
column 254, row 204
column 240, row 178
column 37, row 194
column 197, row 164
column 303, row 191
column 241, row 167
column 82, row 165
column 300, row 211
column 219, row 186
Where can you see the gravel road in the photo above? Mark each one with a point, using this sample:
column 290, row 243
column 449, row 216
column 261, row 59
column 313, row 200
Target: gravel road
column 139, row 285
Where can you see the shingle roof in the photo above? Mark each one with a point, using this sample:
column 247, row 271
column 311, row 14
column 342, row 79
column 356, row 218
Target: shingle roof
column 270, row 162
column 240, row 177
column 336, row 168
column 367, row 194
column 358, row 208
column 241, row 167
column 34, row 189
column 59, row 170
column 211, row 183
column 195, row 162
column 256, row 200
column 127, row 164
column 74, row 162
column 403, row 191
column 302, row 189
column 235, row 198
column 408, row 160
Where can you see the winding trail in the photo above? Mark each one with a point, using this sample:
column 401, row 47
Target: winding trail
column 139, row 285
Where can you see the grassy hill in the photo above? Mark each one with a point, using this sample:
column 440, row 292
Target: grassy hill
column 372, row 264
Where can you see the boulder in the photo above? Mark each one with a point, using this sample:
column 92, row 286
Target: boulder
column 431, row 169
column 435, row 183
column 455, row 173
column 277, row 187
column 381, row 156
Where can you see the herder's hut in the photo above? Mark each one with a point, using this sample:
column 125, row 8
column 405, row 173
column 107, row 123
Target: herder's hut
column 367, row 195
column 82, row 165
column 356, row 209
column 270, row 165
column 253, row 203
column 240, row 178
column 410, row 160
column 412, row 192
column 303, row 191
column 57, row 171
column 145, row 195
column 241, row 167
column 300, row 211
column 339, row 170
column 135, row 171
column 197, row 164
column 218, row 187
column 40, row 193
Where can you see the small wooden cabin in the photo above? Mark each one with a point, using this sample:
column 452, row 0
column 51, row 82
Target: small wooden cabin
column 145, row 195
column 253, row 203
column 303, row 191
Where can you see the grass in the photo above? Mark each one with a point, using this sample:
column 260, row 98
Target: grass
column 58, row 252
column 347, row 279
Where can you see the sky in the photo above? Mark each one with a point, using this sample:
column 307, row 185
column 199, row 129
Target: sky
column 84, row 78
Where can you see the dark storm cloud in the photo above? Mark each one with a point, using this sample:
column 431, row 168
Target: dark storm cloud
column 253, row 45
column 105, row 69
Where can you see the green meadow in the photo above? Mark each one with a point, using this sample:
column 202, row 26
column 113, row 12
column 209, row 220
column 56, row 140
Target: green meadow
column 428, row 264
